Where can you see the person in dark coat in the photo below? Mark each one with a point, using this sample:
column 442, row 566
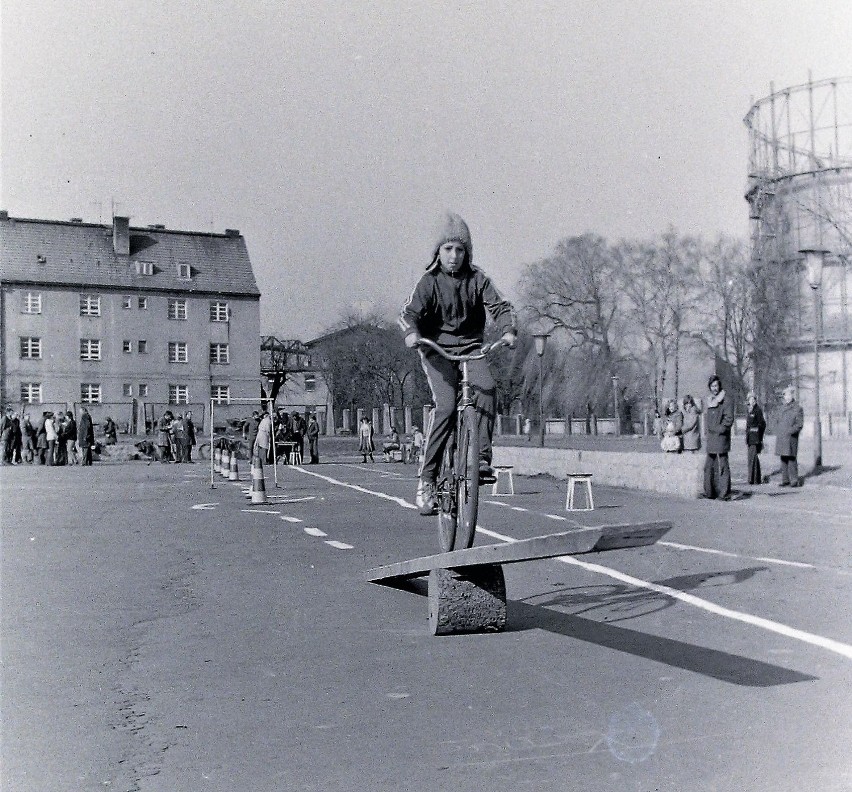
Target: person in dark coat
column 250, row 430
column 718, row 420
column 28, row 439
column 313, row 439
column 41, row 439
column 85, row 437
column 17, row 439
column 6, row 437
column 188, row 436
column 297, row 433
column 790, row 423
column 755, row 427
column 164, row 436
column 110, row 431
column 70, row 435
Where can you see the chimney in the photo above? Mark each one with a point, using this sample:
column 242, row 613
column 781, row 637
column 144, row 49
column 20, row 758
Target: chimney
column 232, row 232
column 4, row 214
column 121, row 235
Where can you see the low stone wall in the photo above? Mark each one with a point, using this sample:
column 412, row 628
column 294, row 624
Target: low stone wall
column 669, row 474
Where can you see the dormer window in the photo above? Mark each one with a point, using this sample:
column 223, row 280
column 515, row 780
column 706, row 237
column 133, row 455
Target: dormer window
column 41, row 259
column 184, row 271
column 144, row 267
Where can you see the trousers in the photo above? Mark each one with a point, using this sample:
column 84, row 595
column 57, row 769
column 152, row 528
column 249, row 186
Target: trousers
column 717, row 476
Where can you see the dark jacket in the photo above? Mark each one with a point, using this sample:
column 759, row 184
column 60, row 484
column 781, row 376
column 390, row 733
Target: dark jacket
column 718, row 421
column 70, row 432
column 755, row 426
column 313, row 429
column 790, row 423
column 251, row 430
column 85, row 431
column 451, row 309
column 189, row 431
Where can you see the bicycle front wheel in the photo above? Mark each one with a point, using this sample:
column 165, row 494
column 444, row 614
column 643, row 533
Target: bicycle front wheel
column 467, row 478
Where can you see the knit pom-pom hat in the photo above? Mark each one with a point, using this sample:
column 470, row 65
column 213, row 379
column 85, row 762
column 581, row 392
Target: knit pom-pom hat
column 451, row 228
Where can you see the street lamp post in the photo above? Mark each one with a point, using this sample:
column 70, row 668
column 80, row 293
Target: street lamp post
column 540, row 344
column 615, row 411
column 814, row 261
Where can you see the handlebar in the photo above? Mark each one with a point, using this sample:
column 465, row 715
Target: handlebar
column 462, row 358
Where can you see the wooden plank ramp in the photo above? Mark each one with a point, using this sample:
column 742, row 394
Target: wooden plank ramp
column 577, row 542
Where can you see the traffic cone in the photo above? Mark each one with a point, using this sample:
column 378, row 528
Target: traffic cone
column 258, row 484
column 233, row 472
column 226, row 462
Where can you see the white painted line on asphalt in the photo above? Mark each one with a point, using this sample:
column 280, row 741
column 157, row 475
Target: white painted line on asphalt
column 756, row 621
column 339, row 545
column 400, row 501
column 259, row 511
column 678, row 546
column 290, row 519
column 204, row 506
column 284, row 499
column 556, row 517
column 314, row 532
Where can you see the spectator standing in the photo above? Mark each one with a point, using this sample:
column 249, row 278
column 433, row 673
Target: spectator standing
column 59, row 454
column 297, row 433
column 6, row 436
column 657, row 426
column 313, row 439
column 691, row 425
column 41, row 439
column 164, row 442
column 365, row 440
column 28, row 439
column 718, row 420
column 188, row 436
column 263, row 438
column 673, row 428
column 70, row 434
column 250, row 430
column 51, row 437
column 417, row 444
column 755, row 427
column 85, row 437
column 790, row 423
column 178, row 438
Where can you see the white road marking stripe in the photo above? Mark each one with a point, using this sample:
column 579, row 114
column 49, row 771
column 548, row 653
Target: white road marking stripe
column 314, row 532
column 260, row 511
column 286, row 518
column 756, row 621
column 556, row 517
column 400, row 501
column 339, row 545
column 678, row 546
column 283, row 499
column 518, row 508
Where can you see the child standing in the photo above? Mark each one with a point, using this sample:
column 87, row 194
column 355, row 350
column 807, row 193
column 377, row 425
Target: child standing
column 449, row 305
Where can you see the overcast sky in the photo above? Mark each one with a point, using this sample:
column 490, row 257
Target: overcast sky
column 333, row 134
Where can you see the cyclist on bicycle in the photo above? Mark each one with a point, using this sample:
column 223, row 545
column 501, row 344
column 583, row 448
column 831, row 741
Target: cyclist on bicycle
column 448, row 306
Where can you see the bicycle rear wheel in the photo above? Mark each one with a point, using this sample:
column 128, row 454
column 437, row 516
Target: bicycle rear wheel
column 467, row 479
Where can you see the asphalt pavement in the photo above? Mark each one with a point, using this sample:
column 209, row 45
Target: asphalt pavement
column 160, row 634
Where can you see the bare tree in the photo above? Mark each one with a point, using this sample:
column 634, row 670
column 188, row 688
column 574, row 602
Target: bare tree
column 279, row 359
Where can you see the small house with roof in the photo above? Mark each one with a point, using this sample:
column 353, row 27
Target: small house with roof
column 126, row 321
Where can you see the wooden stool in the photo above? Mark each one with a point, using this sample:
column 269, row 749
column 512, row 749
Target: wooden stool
column 498, row 469
column 296, row 456
column 583, row 479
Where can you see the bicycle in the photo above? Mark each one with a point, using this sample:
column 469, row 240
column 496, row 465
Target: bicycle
column 458, row 478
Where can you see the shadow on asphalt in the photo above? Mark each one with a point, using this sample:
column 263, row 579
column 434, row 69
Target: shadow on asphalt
column 822, row 471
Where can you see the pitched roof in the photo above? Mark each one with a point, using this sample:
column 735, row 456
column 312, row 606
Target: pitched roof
column 82, row 254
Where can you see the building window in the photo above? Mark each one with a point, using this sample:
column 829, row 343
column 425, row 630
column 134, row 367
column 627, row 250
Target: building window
column 32, row 303
column 90, row 349
column 178, row 394
column 184, row 271
column 143, row 303
column 143, row 388
column 31, row 348
column 177, row 352
column 219, row 353
column 144, row 267
column 90, row 393
column 127, row 347
column 142, row 347
column 125, row 302
column 310, row 383
column 221, row 394
column 90, row 305
column 31, row 392
column 218, row 311
column 177, row 309
column 127, row 389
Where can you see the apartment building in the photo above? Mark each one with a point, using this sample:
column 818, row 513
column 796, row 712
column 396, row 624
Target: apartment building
column 127, row 321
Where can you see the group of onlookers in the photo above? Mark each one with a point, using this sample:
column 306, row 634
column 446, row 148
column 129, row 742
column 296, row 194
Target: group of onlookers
column 290, row 433
column 175, row 437
column 679, row 430
column 55, row 439
column 408, row 449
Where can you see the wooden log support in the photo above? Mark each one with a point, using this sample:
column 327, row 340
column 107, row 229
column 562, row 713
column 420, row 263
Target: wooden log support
column 576, row 542
column 467, row 600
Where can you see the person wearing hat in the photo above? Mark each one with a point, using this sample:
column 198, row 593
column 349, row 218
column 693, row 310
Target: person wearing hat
column 755, row 427
column 449, row 305
column 790, row 423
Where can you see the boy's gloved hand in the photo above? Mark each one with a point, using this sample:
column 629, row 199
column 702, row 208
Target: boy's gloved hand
column 412, row 339
column 509, row 339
